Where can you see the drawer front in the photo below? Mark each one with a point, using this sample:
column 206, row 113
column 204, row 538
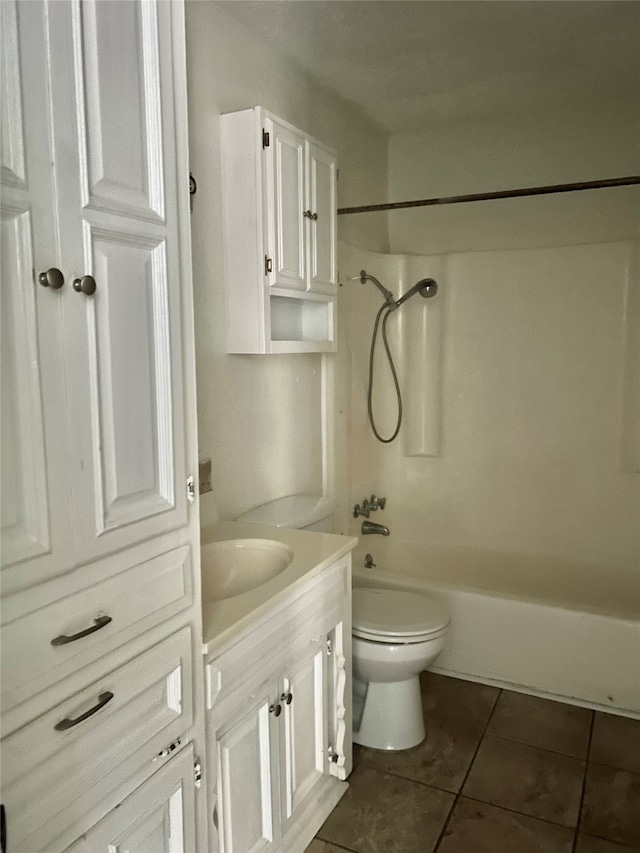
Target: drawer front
column 158, row 816
column 289, row 627
column 46, row 646
column 63, row 764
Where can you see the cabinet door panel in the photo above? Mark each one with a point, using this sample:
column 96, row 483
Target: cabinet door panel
column 158, row 817
column 288, row 225
column 118, row 220
column 243, row 804
column 130, row 374
column 35, row 507
column 121, row 143
column 322, row 235
column 305, row 729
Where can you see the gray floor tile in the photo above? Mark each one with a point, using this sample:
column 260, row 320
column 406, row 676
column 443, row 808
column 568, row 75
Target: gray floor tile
column 616, row 742
column 480, row 828
column 542, row 723
column 589, row 844
column 385, row 814
column 611, row 807
column 463, row 703
column 441, row 760
column 529, row 780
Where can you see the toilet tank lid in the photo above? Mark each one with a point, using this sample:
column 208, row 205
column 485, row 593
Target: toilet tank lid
column 293, row 511
column 397, row 613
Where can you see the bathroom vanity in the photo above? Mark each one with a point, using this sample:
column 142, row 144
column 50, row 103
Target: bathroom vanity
column 277, row 666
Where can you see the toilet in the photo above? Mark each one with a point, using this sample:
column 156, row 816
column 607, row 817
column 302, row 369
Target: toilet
column 301, row 512
column 396, row 635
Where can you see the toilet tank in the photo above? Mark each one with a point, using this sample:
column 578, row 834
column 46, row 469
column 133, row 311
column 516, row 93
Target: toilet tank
column 302, row 512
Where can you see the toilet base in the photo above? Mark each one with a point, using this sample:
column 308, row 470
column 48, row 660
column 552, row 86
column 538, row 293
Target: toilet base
column 392, row 715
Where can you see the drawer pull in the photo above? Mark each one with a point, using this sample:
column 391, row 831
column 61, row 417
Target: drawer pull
column 98, row 622
column 69, row 722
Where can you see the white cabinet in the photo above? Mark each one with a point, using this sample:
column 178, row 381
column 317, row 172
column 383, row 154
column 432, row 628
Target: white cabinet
column 278, row 727
column 279, row 205
column 93, row 455
column 101, row 620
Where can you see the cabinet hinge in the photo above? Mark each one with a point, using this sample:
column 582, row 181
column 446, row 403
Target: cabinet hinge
column 268, row 266
column 168, row 750
column 329, row 648
column 265, row 138
column 191, row 489
column 197, row 773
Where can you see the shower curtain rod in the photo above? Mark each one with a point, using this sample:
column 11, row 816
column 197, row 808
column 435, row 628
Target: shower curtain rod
column 523, row 191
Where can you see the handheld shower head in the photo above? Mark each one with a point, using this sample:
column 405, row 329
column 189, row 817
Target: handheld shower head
column 426, row 287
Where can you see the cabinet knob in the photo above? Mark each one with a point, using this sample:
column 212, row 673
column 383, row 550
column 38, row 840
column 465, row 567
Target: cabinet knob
column 52, row 278
column 308, row 215
column 275, row 709
column 287, row 697
column 86, row 285
column 314, row 216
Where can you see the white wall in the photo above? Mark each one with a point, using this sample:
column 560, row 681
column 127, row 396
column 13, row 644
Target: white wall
column 258, row 416
column 537, row 446
column 584, row 143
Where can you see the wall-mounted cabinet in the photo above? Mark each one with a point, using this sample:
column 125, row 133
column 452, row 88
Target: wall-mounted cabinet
column 279, row 208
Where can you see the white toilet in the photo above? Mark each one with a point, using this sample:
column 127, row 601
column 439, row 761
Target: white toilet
column 396, row 635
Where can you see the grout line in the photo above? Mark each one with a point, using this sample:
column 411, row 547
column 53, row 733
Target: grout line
column 584, row 782
column 515, row 811
column 410, row 779
column 542, row 748
column 339, row 846
column 466, row 775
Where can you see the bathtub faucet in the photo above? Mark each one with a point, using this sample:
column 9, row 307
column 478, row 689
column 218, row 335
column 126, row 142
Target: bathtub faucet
column 372, row 527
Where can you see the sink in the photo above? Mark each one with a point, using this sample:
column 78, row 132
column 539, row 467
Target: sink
column 235, row 566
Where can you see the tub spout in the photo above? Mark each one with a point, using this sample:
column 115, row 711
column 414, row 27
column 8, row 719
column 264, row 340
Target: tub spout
column 372, row 527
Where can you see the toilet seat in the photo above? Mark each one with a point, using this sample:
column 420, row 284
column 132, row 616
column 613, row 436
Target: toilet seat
column 396, row 616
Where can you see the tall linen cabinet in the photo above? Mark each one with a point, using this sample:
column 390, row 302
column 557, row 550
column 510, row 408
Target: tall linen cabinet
column 102, row 720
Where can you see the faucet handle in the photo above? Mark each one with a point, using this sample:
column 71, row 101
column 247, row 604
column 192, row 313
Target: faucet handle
column 361, row 510
column 377, row 502
column 371, row 505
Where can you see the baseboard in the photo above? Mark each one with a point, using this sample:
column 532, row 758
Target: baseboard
column 532, row 691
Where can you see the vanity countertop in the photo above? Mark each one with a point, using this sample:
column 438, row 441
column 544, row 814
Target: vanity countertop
column 312, row 553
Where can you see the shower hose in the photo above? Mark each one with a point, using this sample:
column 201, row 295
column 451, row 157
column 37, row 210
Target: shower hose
column 385, row 309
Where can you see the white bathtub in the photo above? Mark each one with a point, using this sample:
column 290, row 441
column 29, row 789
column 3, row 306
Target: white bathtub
column 532, row 624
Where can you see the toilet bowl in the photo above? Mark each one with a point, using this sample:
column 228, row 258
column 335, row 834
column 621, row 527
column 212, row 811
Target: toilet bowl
column 396, row 635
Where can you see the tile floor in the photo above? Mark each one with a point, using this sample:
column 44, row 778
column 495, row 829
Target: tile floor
column 499, row 772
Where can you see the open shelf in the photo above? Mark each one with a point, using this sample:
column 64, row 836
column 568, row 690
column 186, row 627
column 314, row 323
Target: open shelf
column 308, row 323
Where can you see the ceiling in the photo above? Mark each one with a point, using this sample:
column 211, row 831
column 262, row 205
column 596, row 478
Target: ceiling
column 408, row 64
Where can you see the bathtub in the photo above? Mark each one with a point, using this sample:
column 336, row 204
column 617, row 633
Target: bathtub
column 536, row 625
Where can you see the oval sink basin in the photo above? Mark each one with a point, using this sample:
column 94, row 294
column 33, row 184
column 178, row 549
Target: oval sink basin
column 238, row 565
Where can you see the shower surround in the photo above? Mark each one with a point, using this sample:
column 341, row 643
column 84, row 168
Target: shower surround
column 520, row 443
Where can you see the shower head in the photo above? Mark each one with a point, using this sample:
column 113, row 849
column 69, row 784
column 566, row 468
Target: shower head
column 426, row 287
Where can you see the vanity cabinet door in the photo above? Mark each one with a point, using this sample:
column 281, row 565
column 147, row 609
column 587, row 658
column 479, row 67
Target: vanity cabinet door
column 303, row 732
column 244, row 803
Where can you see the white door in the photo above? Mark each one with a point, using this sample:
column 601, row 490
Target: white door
column 321, row 189
column 117, row 188
column 244, row 747
column 286, row 166
column 35, row 505
column 303, row 753
column 158, row 817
